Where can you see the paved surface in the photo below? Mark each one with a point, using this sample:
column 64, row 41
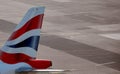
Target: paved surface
column 82, row 35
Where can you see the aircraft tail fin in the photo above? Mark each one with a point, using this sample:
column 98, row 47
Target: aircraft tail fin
column 22, row 45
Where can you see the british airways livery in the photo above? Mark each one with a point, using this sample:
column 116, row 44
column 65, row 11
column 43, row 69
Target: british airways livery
column 19, row 51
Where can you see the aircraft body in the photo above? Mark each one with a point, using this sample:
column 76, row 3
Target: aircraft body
column 19, row 51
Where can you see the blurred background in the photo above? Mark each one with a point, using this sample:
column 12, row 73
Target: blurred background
column 80, row 35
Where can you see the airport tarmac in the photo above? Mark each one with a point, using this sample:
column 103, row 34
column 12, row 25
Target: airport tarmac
column 78, row 35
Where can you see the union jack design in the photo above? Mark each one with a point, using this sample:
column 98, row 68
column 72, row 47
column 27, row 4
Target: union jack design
column 22, row 45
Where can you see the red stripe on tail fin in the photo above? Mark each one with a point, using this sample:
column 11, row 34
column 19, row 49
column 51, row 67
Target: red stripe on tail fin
column 34, row 23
